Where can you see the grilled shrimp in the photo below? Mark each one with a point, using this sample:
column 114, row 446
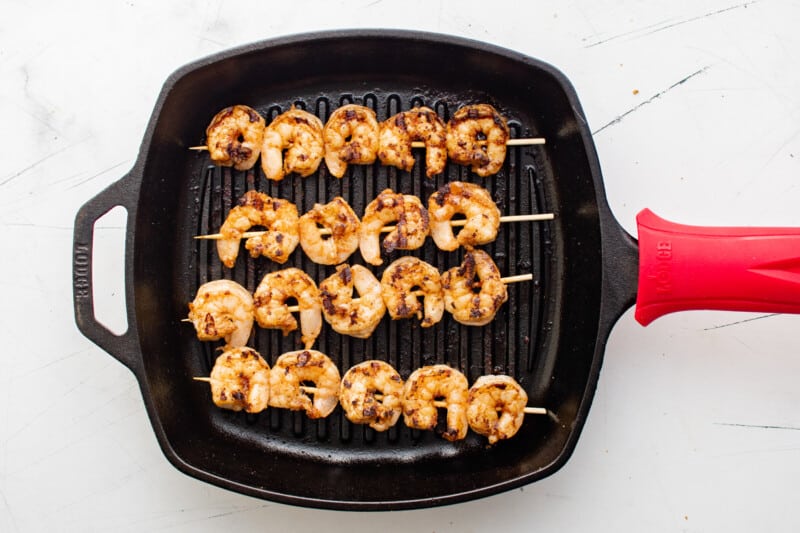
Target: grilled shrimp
column 272, row 311
column 288, row 378
column 477, row 136
column 344, row 225
column 398, row 290
column 419, row 124
column 409, row 233
column 473, row 201
column 357, row 395
column 257, row 209
column 299, row 134
column 476, row 273
column 428, row 385
column 357, row 319
column 351, row 137
column 496, row 407
column 234, row 137
column 240, row 380
column 222, row 309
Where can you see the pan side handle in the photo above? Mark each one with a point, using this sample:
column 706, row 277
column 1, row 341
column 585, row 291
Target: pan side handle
column 123, row 347
column 725, row 268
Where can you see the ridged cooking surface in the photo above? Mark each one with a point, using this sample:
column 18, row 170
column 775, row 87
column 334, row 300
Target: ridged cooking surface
column 507, row 345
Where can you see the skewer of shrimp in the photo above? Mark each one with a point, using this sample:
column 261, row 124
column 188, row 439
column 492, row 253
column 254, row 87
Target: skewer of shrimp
column 371, row 392
column 413, row 224
column 314, row 390
column 355, row 301
column 477, row 135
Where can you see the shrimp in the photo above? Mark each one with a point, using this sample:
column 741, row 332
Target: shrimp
column 271, row 310
column 477, row 136
column 476, row 273
column 496, row 407
column 222, row 309
column 299, row 133
column 357, row 395
column 418, row 124
column 351, row 137
column 240, row 380
column 234, row 137
column 409, row 233
column 397, row 288
column 357, row 319
column 344, row 225
column 257, row 209
column 427, row 386
column 473, row 201
column 288, row 378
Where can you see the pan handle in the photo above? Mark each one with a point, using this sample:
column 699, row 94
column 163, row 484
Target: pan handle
column 725, row 268
column 123, row 347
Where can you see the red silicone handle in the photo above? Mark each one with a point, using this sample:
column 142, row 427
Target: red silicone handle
column 738, row 269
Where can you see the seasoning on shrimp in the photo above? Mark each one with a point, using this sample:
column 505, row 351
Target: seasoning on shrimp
column 272, row 311
column 474, row 291
column 292, row 143
column 398, row 285
column 477, row 136
column 343, row 225
column 419, row 124
column 278, row 216
column 344, row 314
column 240, row 381
column 409, row 232
column 289, row 379
column 496, row 407
column 234, row 137
column 222, row 309
column 351, row 137
column 475, row 203
column 425, row 388
column 372, row 393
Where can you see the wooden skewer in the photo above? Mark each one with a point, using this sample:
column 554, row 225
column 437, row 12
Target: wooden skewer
column 387, row 229
column 441, row 404
column 535, row 411
column 517, row 278
column 525, row 141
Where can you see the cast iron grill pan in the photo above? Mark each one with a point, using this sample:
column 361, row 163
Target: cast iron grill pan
column 506, row 345
column 549, row 335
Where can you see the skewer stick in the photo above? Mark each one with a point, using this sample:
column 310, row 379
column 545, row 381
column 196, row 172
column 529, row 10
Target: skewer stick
column 507, row 280
column 386, row 229
column 525, row 141
column 443, row 404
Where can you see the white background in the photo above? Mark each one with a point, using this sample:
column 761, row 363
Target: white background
column 695, row 424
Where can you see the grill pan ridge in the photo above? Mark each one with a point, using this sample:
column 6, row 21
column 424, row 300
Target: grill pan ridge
column 549, row 335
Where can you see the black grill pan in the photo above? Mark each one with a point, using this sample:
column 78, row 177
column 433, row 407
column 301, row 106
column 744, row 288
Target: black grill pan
column 550, row 334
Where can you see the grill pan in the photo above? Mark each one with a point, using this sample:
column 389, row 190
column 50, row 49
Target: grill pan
column 550, row 335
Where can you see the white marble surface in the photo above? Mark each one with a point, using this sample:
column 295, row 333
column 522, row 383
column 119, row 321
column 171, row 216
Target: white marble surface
column 695, row 424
